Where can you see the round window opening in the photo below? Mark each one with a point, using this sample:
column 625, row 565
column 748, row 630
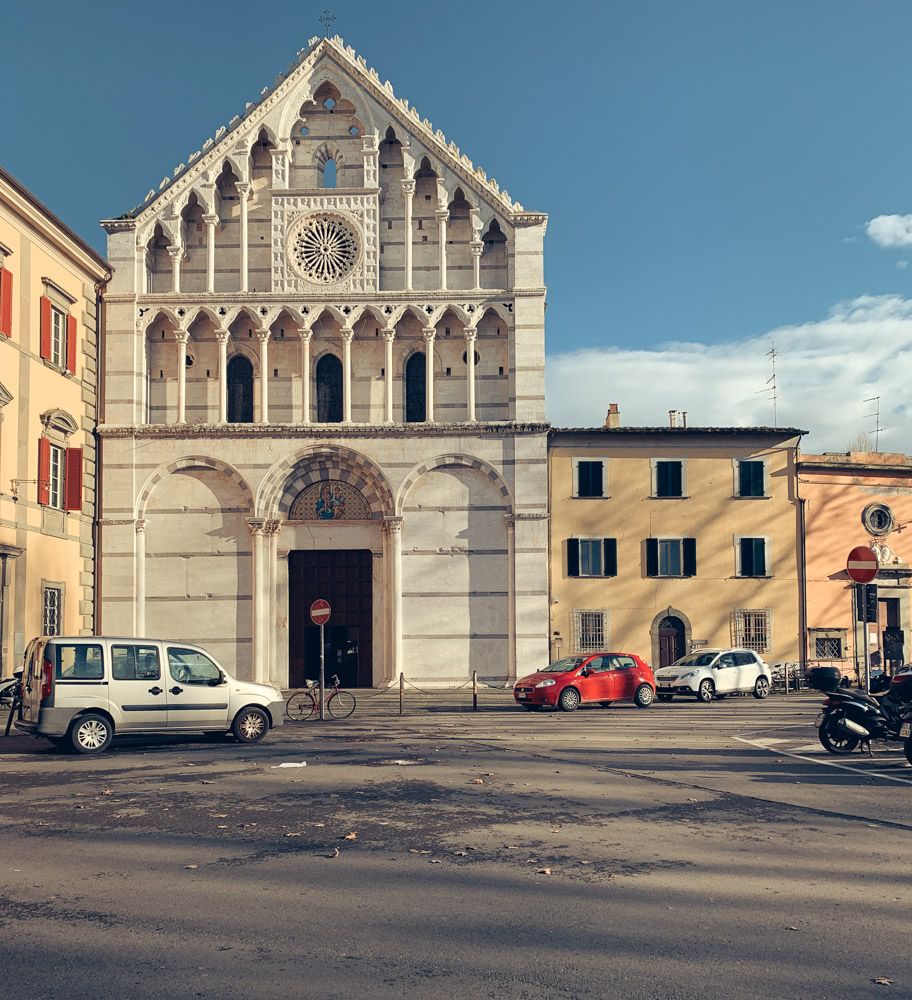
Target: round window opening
column 465, row 358
column 878, row 519
column 324, row 248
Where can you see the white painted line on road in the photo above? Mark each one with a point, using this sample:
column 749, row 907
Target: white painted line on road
column 826, row 763
column 767, row 741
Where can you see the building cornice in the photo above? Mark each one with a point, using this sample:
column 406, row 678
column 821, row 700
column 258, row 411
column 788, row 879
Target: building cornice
column 195, row 432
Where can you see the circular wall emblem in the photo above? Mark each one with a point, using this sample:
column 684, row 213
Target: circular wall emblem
column 324, row 247
column 878, row 519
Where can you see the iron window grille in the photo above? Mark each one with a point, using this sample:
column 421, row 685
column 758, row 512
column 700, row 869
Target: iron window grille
column 827, row 648
column 752, row 629
column 590, row 630
column 52, row 608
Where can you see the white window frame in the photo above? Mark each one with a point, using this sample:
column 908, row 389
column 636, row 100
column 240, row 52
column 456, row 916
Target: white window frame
column 56, row 476
column 767, row 557
column 669, row 576
column 654, row 474
column 736, row 483
column 576, row 622
column 739, row 629
column 59, row 319
column 574, row 492
column 600, row 548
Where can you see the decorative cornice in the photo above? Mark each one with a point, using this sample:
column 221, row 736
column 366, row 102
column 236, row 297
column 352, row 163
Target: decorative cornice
column 203, row 159
column 190, row 432
column 491, row 296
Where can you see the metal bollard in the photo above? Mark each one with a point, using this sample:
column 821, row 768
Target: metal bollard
column 401, row 690
column 474, row 690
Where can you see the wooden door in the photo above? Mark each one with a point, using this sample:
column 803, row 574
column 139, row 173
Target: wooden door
column 671, row 640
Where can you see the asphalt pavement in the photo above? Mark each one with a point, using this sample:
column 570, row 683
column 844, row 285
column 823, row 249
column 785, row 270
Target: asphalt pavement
column 684, row 851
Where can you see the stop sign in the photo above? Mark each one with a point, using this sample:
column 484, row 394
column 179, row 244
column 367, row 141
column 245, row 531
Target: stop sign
column 320, row 612
column 862, row 564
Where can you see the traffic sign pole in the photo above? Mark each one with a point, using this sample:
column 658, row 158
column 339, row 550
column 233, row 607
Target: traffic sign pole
column 320, row 612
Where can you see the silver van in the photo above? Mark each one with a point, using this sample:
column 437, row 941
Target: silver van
column 80, row 692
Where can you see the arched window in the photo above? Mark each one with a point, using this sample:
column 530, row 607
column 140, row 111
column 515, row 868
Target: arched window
column 330, row 174
column 240, row 390
column 415, row 399
column 329, row 390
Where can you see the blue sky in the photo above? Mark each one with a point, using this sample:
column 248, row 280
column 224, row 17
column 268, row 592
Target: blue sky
column 709, row 167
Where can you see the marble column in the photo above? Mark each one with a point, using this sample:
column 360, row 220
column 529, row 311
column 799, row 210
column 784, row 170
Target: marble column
column 139, row 626
column 430, row 333
column 393, row 527
column 408, row 189
column 256, row 527
column 389, row 336
column 211, row 222
column 471, row 335
column 347, row 335
column 243, row 189
column 477, row 247
column 181, row 336
column 510, row 520
column 176, row 254
column 263, row 338
column 271, row 547
column 442, row 217
column 222, row 337
column 306, row 337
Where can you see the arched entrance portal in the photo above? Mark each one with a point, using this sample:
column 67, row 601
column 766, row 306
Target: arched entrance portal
column 672, row 640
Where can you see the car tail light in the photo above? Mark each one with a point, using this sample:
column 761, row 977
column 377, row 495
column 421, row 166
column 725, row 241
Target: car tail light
column 47, row 671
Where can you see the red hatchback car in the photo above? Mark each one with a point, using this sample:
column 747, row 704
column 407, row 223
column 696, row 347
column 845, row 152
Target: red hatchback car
column 593, row 677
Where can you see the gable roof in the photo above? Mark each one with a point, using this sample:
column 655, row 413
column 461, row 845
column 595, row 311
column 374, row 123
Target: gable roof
column 254, row 114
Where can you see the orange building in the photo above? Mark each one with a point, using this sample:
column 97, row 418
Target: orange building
column 849, row 499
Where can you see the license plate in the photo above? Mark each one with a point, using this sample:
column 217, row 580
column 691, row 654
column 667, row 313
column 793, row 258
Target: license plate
column 663, row 688
column 906, row 729
column 521, row 694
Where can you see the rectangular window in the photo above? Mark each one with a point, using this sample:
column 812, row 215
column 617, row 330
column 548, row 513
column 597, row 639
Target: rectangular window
column 135, row 663
column 827, row 648
column 590, row 630
column 79, row 662
column 591, row 557
column 51, row 610
column 751, row 479
column 671, row 557
column 752, row 629
column 669, row 479
column 55, row 477
column 752, row 557
column 590, row 479
column 58, row 337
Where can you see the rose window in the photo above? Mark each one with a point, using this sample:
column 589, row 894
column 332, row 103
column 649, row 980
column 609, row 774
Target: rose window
column 324, row 248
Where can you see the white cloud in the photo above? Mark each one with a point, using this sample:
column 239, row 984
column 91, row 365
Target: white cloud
column 824, row 371
column 901, row 265
column 890, row 230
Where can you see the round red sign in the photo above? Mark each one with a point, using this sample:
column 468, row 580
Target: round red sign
column 320, row 612
column 862, row 564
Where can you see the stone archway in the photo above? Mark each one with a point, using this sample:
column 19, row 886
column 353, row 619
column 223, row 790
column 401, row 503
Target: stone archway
column 670, row 634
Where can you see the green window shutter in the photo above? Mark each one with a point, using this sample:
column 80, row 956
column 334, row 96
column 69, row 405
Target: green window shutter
column 610, row 560
column 689, row 545
column 750, row 479
column 669, row 479
column 572, row 557
column 652, row 557
column 589, row 479
column 747, row 556
column 759, row 557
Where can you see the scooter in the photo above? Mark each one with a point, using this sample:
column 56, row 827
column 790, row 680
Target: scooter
column 851, row 717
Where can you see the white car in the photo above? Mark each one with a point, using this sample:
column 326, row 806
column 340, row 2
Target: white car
column 711, row 673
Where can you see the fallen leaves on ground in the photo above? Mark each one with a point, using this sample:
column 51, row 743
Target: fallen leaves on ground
column 542, row 871
column 477, row 781
column 190, row 867
column 351, row 836
column 882, row 981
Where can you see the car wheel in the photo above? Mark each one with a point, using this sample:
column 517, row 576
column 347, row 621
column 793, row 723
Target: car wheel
column 250, row 725
column 706, row 691
column 90, row 733
column 664, row 697
column 834, row 739
column 762, row 687
column 569, row 700
column 643, row 696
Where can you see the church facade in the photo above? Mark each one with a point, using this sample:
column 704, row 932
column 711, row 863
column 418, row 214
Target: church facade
column 324, row 378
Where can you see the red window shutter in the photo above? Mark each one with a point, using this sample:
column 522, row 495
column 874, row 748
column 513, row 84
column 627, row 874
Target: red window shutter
column 45, row 328
column 73, row 483
column 71, row 345
column 44, row 471
column 6, row 302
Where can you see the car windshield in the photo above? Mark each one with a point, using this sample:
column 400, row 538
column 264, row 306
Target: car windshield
column 562, row 666
column 696, row 660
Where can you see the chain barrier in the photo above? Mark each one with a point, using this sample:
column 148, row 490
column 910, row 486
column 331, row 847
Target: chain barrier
column 437, row 690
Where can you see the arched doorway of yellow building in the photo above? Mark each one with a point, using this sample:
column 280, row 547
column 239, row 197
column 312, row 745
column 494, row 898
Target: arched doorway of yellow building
column 670, row 635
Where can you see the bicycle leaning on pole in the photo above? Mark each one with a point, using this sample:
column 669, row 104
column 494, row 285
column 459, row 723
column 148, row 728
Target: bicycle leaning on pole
column 305, row 704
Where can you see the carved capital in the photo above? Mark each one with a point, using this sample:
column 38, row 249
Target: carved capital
column 222, row 336
column 181, row 336
column 211, row 220
column 243, row 189
column 408, row 187
column 430, row 332
column 272, row 527
column 442, row 215
column 347, row 334
column 262, row 335
column 392, row 525
column 471, row 334
column 256, row 525
column 176, row 252
column 477, row 247
column 140, row 525
column 389, row 334
column 306, row 336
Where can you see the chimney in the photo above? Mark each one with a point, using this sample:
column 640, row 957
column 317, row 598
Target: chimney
column 613, row 419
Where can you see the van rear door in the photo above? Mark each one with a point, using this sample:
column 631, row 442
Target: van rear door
column 31, row 681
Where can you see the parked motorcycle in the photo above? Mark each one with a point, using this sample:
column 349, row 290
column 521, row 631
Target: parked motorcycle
column 852, row 717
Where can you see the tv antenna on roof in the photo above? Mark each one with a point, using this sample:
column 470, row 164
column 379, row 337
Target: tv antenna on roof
column 770, row 388
column 876, row 416
column 326, row 19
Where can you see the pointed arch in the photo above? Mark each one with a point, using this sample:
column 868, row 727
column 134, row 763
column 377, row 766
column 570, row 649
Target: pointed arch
column 442, row 461
column 200, row 312
column 162, row 312
column 235, row 314
column 332, row 311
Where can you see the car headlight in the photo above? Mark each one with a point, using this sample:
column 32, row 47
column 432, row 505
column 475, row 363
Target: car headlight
column 546, row 684
column 688, row 675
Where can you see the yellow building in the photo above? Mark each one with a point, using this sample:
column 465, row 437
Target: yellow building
column 667, row 539
column 50, row 291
